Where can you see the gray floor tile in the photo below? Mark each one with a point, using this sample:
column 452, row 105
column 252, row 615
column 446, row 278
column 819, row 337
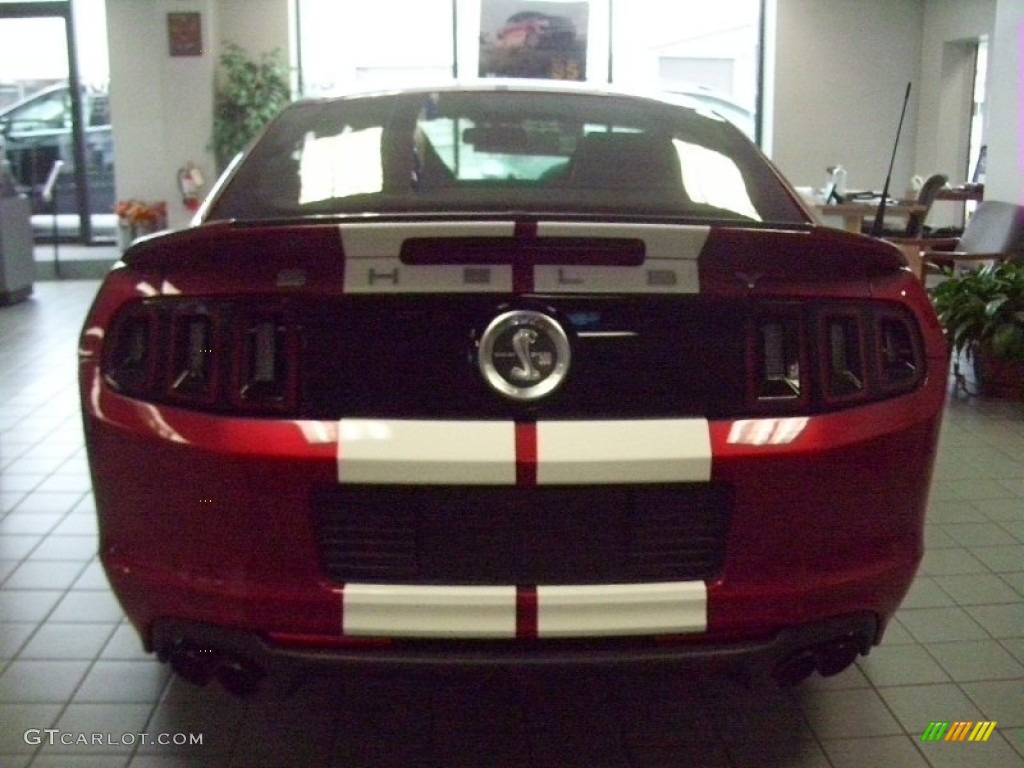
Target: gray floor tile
column 999, row 700
column 925, row 593
column 977, row 660
column 13, row 636
column 848, row 714
column 902, row 665
column 937, row 538
column 123, row 681
column 117, row 725
column 896, row 634
column 48, row 502
column 1000, row 620
column 876, row 751
column 915, row 706
column 1000, row 559
column 88, row 606
column 17, row 547
column 77, row 525
column 977, row 589
column 44, row 575
column 18, row 523
column 1015, row 581
column 92, row 760
column 27, row 604
column 41, row 682
column 1002, row 510
column 778, row 753
column 10, row 499
column 1015, row 738
column 950, row 562
column 18, row 719
column 979, row 534
column 939, row 625
column 82, row 548
column 207, row 712
column 125, row 645
column 67, row 641
column 994, row 753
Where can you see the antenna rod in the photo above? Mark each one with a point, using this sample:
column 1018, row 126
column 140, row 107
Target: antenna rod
column 878, row 226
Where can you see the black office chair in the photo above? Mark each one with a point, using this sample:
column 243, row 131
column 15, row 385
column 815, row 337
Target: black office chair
column 915, row 221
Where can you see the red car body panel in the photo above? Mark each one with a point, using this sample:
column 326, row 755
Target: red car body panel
column 227, row 539
column 502, row 411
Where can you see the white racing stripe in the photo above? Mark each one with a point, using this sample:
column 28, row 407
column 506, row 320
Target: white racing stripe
column 592, row 610
column 426, row 452
column 643, row 451
column 622, row 609
column 415, row 452
column 372, row 263
column 670, row 264
column 401, row 610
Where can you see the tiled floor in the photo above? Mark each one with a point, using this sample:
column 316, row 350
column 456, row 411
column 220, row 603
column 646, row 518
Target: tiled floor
column 69, row 662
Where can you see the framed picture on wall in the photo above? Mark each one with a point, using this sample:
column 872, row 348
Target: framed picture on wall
column 546, row 40
column 185, row 33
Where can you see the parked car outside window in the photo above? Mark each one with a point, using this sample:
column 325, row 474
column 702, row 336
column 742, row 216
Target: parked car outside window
column 37, row 132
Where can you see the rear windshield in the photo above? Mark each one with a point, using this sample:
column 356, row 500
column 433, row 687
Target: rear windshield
column 502, row 151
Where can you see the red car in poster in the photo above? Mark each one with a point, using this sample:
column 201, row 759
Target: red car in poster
column 531, row 29
column 509, row 374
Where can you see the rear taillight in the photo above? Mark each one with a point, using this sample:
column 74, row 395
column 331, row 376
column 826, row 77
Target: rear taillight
column 266, row 366
column 777, row 359
column 842, row 348
column 216, row 355
column 899, row 354
column 807, row 357
column 131, row 359
column 194, row 368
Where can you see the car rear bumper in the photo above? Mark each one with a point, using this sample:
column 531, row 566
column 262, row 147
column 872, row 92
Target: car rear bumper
column 826, row 645
column 221, row 532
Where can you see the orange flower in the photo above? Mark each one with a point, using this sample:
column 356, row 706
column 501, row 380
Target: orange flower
column 132, row 213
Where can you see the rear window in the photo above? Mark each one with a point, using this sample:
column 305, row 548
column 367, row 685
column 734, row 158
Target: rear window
column 499, row 151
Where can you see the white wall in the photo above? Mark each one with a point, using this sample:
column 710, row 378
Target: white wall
column 162, row 106
column 1004, row 179
column 951, row 32
column 841, row 71
column 841, row 68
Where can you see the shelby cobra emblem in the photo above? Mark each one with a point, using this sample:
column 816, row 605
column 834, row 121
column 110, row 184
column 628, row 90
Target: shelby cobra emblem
column 524, row 354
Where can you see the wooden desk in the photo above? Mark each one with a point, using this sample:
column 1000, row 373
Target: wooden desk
column 855, row 214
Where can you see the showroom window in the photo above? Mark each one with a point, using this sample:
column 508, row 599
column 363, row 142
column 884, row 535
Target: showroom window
column 710, row 53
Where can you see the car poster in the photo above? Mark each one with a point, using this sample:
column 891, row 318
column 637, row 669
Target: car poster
column 546, row 40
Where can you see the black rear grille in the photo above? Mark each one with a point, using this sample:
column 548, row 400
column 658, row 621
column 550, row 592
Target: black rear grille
column 513, row 535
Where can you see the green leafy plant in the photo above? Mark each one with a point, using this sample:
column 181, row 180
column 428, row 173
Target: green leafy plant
column 250, row 93
column 983, row 310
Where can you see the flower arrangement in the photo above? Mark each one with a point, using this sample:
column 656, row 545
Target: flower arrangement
column 141, row 216
column 136, row 218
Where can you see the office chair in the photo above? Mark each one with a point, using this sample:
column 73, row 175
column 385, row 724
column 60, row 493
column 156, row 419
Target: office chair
column 915, row 221
column 994, row 233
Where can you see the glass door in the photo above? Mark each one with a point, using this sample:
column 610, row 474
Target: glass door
column 55, row 126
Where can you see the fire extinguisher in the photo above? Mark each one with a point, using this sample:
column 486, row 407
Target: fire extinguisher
column 190, row 182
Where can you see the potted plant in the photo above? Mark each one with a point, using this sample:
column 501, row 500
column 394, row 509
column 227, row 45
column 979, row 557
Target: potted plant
column 982, row 311
column 250, row 92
